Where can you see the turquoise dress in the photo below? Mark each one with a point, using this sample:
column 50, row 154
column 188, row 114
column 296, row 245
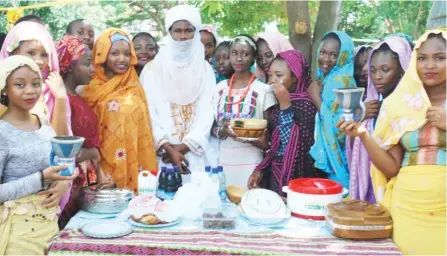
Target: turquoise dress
column 329, row 150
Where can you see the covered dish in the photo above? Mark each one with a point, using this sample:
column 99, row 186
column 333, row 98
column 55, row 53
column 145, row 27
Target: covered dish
column 359, row 220
column 105, row 198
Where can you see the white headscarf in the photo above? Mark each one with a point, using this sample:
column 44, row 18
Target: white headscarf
column 182, row 63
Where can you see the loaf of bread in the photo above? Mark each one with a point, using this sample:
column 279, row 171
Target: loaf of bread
column 359, row 220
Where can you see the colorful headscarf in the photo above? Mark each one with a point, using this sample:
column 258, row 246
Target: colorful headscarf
column 329, row 148
column 403, row 111
column 123, row 119
column 28, row 30
column 360, row 186
column 69, row 50
column 277, row 43
column 299, row 143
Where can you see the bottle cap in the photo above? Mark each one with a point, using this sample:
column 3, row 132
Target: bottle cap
column 215, row 170
column 208, row 169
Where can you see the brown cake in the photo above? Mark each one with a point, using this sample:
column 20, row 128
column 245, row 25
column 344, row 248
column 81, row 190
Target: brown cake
column 359, row 220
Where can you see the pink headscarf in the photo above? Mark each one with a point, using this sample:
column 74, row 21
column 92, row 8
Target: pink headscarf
column 25, row 31
column 277, row 43
column 28, row 30
column 360, row 186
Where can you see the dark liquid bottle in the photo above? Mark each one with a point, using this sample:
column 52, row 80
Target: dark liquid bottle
column 177, row 178
column 170, row 185
column 162, row 183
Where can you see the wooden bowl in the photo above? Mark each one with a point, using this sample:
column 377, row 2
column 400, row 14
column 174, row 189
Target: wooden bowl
column 235, row 193
column 248, row 133
column 249, row 124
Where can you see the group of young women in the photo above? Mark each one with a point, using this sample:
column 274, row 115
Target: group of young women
column 140, row 108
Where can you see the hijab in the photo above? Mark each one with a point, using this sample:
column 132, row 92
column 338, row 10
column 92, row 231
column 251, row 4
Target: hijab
column 329, row 148
column 358, row 158
column 69, row 50
column 277, row 42
column 26, row 31
column 297, row 144
column 181, row 64
column 100, row 86
column 403, row 111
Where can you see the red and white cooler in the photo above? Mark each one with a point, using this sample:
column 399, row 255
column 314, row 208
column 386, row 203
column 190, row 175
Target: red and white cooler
column 308, row 197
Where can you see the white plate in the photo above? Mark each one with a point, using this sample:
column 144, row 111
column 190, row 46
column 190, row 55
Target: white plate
column 247, row 139
column 141, row 225
column 269, row 222
column 107, row 229
column 262, row 203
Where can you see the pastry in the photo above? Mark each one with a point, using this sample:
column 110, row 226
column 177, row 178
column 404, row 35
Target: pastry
column 148, row 219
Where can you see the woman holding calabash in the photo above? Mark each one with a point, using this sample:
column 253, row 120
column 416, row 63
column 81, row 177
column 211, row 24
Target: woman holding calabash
column 179, row 85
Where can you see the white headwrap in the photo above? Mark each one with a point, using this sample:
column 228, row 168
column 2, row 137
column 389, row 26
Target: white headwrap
column 182, row 63
column 12, row 63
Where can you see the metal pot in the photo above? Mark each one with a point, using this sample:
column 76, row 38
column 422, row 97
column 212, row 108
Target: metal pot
column 105, row 198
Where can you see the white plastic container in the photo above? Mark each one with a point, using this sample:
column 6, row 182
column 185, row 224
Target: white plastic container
column 308, row 197
column 147, row 183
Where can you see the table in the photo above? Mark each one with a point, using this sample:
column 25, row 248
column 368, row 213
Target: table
column 298, row 237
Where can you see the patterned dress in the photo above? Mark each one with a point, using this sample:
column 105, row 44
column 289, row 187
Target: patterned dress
column 240, row 159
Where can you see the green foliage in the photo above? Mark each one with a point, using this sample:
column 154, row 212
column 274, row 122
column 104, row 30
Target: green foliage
column 250, row 17
column 366, row 19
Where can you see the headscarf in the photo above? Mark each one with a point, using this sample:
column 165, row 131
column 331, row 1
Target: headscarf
column 69, row 50
column 26, row 31
column 402, row 35
column 403, row 111
column 181, row 64
column 212, row 30
column 100, row 86
column 12, row 63
column 123, row 121
column 360, row 48
column 277, row 43
column 360, row 186
column 329, row 149
column 299, row 67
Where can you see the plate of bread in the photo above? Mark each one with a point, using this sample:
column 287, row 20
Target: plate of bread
column 150, row 220
column 248, row 128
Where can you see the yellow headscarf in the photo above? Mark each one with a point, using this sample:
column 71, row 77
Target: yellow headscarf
column 403, row 111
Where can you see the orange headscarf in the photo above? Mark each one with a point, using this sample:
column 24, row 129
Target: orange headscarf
column 123, row 118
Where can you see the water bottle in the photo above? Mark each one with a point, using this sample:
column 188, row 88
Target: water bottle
column 222, row 184
column 208, row 170
column 170, row 185
column 215, row 178
column 162, row 183
column 177, row 178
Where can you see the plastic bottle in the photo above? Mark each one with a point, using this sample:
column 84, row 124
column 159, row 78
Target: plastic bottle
column 222, row 184
column 177, row 178
column 170, row 185
column 208, row 170
column 215, row 178
column 162, row 183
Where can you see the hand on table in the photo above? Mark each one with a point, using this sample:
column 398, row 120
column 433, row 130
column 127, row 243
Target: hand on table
column 255, row 179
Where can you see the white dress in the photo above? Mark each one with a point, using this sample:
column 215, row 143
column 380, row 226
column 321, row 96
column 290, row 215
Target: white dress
column 240, row 159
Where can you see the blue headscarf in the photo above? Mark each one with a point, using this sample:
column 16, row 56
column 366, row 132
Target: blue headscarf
column 329, row 149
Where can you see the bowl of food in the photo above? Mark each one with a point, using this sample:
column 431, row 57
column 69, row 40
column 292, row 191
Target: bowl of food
column 235, row 193
column 249, row 128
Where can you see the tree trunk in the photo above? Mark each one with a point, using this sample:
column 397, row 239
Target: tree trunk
column 327, row 19
column 299, row 26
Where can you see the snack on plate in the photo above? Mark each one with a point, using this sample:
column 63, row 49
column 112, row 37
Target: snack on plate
column 148, row 219
column 249, row 124
column 359, row 220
